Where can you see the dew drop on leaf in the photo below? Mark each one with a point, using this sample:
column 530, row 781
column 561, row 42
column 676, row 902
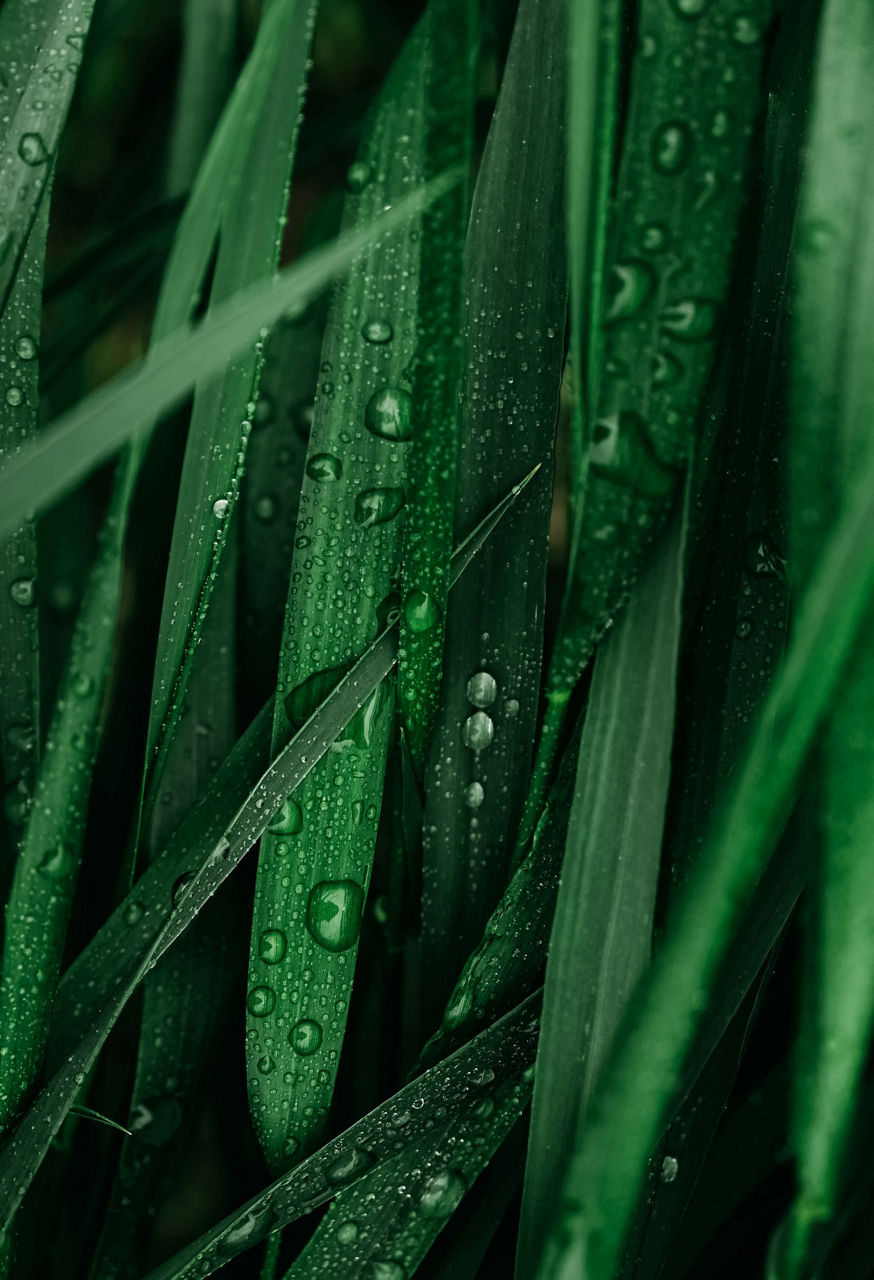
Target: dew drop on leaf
column 420, row 611
column 746, row 30
column 288, row 820
column 23, row 592
column 261, row 1001
column 325, row 467
column 32, row 149
column 386, row 1271
column 57, row 863
column 690, row 8
column 220, row 508
column 654, row 237
column 389, row 414
column 629, row 285
column 667, row 369
column 155, row 1120
column 272, row 946
column 14, row 397
column 474, row 795
column 478, row 731
column 347, row 1232
column 671, row 147
column 305, row 1037
column 334, row 913
column 670, row 1169
column 377, row 506
column 358, row 175
column 690, row 319
column 482, row 689
column 442, row 1194
column 377, row 331
column 25, row 347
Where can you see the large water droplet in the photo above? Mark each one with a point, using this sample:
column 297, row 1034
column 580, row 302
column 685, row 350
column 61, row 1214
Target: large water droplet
column 474, row 795
column 389, row 414
column 288, row 820
column 670, row 1169
column 272, row 946
column 671, row 147
column 482, row 689
column 305, row 1037
column 386, row 1271
column 32, row 149
column 325, row 467
column 133, row 914
column 14, row 397
column 377, row 331
column 357, row 176
column 16, row 802
column 629, row 285
column 763, row 560
column 305, row 697
column 334, row 913
column 667, row 369
column 420, row 611
column 347, row 1232
column 746, row 30
column 478, row 731
column 23, row 592
column 349, row 1165
column 155, row 1120
column 253, row 1227
column 442, row 1194
column 25, row 347
column 620, row 451
column 181, row 887
column 690, row 319
column 261, row 1001
column 220, row 508
column 57, row 863
column 377, row 506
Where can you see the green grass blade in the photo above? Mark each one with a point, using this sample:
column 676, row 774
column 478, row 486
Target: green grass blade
column 96, row 428
column 209, row 30
column 353, row 497
column 514, row 304
column 221, row 418
column 610, row 1161
column 602, row 933
column 449, row 80
column 832, row 382
column 43, row 43
column 502, row 1052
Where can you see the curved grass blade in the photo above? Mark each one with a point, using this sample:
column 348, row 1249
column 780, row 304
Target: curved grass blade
column 832, row 382
column 310, row 890
column 693, row 100
column 449, row 82
column 43, row 46
column 96, row 428
column 602, row 933
column 514, row 312
column 606, row 1174
column 501, row 1053
column 209, row 30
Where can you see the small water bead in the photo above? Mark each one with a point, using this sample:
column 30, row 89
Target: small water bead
column 377, row 332
column 746, row 31
column 334, row 912
column 386, row 1271
column 272, row 946
column 389, row 414
column 667, row 369
column 14, row 397
column 478, row 731
column 482, row 689
column 690, row 8
column 744, row 628
column 629, row 285
column 670, row 1169
column 25, row 347
column 442, row 1194
column 720, row 123
column 691, row 319
column 155, row 1120
column 23, row 592
column 474, row 795
column 654, row 238
column 358, row 175
column 671, row 147
column 133, row 913
column 378, row 506
column 420, row 611
column 288, row 820
column 261, row 1001
column 265, row 508
column 347, row 1232
column 220, row 508
column 325, row 467
column 305, row 1037
column 32, row 149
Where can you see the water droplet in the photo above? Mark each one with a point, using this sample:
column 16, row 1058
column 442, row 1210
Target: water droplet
column 83, row 685
column 25, row 347
column 347, row 1232
column 57, row 863
column 325, row 467
column 16, row 803
column 511, row 707
column 667, row 369
column 220, row 508
column 689, row 8
column 303, row 700
column 670, row 1169
column 265, row 508
column 334, row 913
column 32, row 149
column 420, row 611
column 22, row 737
column 743, row 628
column 377, row 506
column 349, row 1165
column 654, row 238
column 272, row 946
column 386, row 1271
column 442, row 1194
column 474, row 795
column 720, row 123
column 671, row 147
column 133, row 913
column 305, row 1037
column 629, row 285
column 377, row 331
column 261, row 1001
column 690, row 319
column 621, row 452
column 389, row 414
column 23, row 592
column 478, row 732
column 253, row 1227
column 482, row 689
column 155, row 1120
column 14, row 397
column 288, row 820
column 357, row 176
column 266, row 1064
column 816, row 235
column 763, row 559
column 181, row 887
column 746, row 30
